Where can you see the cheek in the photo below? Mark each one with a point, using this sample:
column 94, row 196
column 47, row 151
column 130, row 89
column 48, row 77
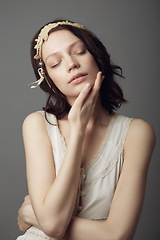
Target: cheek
column 58, row 79
column 90, row 61
column 54, row 76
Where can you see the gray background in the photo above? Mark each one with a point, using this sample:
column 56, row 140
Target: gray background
column 130, row 31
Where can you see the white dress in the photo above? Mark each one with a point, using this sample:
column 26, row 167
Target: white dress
column 99, row 177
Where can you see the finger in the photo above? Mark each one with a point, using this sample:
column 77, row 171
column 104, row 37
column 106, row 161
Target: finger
column 27, row 198
column 92, row 98
column 83, row 95
column 98, row 80
column 95, row 91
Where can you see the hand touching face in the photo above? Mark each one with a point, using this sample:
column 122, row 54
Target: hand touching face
column 85, row 104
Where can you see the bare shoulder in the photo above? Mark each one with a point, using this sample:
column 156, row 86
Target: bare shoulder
column 34, row 118
column 34, row 122
column 140, row 129
column 35, row 133
column 140, row 141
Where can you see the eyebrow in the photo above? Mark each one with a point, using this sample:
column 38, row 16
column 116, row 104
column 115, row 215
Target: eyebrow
column 69, row 47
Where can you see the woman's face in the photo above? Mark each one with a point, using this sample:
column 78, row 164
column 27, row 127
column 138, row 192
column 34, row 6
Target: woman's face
column 69, row 64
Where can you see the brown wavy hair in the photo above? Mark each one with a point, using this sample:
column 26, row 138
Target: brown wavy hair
column 111, row 94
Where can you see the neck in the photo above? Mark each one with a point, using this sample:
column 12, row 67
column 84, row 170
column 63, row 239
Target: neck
column 98, row 117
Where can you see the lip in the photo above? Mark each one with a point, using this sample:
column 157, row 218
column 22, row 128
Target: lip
column 77, row 78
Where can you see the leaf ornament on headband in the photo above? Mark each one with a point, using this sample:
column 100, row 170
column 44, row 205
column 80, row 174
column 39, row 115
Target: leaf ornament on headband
column 43, row 35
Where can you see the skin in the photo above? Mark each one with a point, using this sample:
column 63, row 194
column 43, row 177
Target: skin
column 64, row 59
column 47, row 206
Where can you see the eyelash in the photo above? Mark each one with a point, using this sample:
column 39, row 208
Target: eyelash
column 55, row 65
column 79, row 53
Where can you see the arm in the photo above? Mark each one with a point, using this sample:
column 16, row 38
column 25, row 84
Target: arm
column 129, row 195
column 49, row 195
column 25, row 210
column 52, row 204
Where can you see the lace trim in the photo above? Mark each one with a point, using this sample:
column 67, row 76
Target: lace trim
column 106, row 138
column 34, row 233
column 60, row 136
column 100, row 219
column 48, row 126
column 118, row 155
column 63, row 143
column 104, row 142
column 125, row 133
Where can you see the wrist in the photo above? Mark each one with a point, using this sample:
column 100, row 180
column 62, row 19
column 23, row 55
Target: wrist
column 76, row 138
column 77, row 133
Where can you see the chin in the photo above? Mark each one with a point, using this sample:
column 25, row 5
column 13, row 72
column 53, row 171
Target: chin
column 72, row 98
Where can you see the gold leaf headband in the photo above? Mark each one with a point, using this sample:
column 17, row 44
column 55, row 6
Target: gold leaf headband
column 43, row 35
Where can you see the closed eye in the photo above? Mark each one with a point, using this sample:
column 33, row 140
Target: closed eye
column 55, row 65
column 80, row 52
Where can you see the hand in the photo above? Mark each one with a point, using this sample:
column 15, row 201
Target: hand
column 85, row 103
column 23, row 225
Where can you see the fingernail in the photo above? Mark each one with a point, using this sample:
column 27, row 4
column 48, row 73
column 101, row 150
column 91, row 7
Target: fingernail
column 88, row 85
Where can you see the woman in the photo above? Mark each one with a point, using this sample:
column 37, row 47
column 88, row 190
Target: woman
column 86, row 165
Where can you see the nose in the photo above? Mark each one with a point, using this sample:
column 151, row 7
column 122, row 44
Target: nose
column 72, row 64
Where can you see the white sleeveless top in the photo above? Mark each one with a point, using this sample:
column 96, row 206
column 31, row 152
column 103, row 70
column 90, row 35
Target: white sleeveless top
column 99, row 177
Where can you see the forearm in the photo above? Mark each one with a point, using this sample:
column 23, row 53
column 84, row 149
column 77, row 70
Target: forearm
column 58, row 204
column 78, row 229
column 63, row 192
column 85, row 229
column 29, row 217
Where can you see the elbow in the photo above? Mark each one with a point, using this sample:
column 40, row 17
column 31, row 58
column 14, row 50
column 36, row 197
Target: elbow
column 113, row 233
column 54, row 229
column 120, row 237
column 123, row 237
column 54, row 233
